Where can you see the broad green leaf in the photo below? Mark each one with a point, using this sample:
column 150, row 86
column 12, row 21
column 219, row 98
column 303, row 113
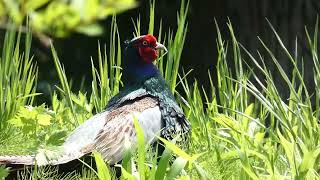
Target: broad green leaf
column 57, row 138
column 176, row 168
column 163, row 164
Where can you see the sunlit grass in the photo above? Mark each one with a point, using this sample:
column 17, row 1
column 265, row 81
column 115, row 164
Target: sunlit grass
column 229, row 138
column 18, row 77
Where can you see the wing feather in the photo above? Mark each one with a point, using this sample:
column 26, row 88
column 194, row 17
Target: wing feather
column 109, row 132
column 120, row 134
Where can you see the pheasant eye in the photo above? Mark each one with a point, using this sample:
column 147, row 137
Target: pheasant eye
column 145, row 43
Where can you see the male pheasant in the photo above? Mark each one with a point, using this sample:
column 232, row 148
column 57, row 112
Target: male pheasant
column 145, row 95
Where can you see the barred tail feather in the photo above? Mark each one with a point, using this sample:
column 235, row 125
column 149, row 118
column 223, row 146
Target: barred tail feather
column 78, row 144
column 42, row 158
column 25, row 160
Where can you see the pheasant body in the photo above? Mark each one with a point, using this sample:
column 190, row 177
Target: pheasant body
column 145, row 96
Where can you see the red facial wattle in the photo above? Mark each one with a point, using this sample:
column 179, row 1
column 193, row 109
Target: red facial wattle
column 147, row 48
column 148, row 54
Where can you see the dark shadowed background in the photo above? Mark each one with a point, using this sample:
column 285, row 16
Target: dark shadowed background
column 289, row 17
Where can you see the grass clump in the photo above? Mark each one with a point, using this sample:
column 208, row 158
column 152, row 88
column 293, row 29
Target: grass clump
column 18, row 78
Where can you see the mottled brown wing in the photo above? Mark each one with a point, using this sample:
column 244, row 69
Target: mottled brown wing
column 119, row 133
column 115, row 138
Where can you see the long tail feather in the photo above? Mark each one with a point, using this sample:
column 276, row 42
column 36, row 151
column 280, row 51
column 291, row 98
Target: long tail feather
column 25, row 160
column 42, row 158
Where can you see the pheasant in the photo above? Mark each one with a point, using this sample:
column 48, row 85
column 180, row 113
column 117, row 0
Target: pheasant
column 144, row 96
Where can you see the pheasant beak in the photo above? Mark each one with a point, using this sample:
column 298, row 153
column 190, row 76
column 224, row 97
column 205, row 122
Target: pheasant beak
column 161, row 47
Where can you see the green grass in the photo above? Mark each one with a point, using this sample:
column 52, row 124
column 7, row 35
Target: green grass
column 18, row 77
column 229, row 138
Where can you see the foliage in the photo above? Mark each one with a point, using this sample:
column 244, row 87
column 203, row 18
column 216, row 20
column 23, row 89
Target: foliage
column 18, row 77
column 59, row 18
column 4, row 172
column 241, row 129
column 235, row 128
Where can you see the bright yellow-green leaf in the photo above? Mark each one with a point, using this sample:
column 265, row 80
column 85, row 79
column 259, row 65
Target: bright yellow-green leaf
column 248, row 111
column 258, row 137
column 295, row 129
column 309, row 159
column 28, row 112
column 289, row 150
column 16, row 122
column 103, row 171
column 126, row 175
column 230, row 155
column 44, row 119
column 226, row 121
column 141, row 148
column 61, row 18
column 91, row 9
column 183, row 178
